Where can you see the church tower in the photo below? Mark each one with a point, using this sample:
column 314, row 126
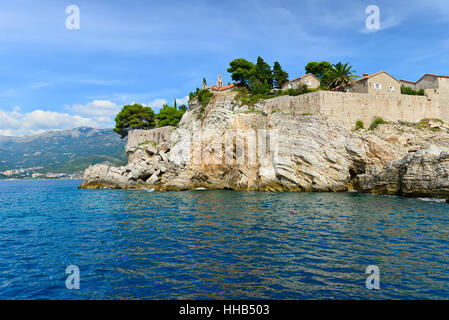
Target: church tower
column 219, row 82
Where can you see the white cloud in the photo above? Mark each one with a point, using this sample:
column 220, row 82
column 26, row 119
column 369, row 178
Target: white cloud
column 184, row 100
column 96, row 114
column 157, row 103
column 97, row 108
column 16, row 123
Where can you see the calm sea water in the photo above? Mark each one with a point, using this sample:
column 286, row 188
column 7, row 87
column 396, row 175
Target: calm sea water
column 218, row 244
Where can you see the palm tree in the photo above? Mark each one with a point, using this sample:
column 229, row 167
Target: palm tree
column 340, row 76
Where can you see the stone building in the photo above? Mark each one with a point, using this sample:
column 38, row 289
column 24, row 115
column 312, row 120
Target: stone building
column 219, row 86
column 377, row 83
column 309, row 80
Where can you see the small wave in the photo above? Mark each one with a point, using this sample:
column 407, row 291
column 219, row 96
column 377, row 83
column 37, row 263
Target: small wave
column 200, row 189
column 149, row 190
column 432, row 200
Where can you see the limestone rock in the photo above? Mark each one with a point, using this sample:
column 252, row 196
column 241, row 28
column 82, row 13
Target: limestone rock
column 424, row 173
column 229, row 145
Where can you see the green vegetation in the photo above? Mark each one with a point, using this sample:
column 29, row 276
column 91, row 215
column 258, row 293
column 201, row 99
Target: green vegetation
column 132, row 117
column 67, row 152
column 241, row 70
column 377, row 122
column 425, row 123
column 137, row 116
column 145, row 143
column 359, row 125
column 259, row 78
column 245, row 96
column 410, row 91
column 321, row 70
column 279, row 75
column 204, row 97
column 340, row 76
column 169, row 116
column 297, row 91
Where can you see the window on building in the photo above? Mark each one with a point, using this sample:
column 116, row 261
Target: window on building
column 391, row 89
column 378, row 86
column 290, row 85
column 308, row 83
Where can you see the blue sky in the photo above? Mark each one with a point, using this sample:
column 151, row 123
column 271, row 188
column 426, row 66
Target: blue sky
column 152, row 52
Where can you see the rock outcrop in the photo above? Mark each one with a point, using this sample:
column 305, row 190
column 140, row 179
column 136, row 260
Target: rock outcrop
column 229, row 145
column 424, row 173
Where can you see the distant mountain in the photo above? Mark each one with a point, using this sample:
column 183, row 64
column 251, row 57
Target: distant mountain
column 59, row 152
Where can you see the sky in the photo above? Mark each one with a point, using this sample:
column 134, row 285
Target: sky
column 152, row 52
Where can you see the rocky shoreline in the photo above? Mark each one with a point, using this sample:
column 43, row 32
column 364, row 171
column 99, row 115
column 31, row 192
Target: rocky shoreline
column 276, row 151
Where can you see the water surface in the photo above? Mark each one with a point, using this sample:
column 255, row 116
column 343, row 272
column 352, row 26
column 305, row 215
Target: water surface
column 218, row 244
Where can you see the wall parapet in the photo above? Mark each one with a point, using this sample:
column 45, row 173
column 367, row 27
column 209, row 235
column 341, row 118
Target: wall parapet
column 350, row 107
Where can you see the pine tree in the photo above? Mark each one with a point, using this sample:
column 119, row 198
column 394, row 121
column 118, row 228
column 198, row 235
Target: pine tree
column 263, row 72
column 279, row 75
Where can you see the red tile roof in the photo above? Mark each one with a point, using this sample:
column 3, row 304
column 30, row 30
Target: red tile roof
column 229, row 86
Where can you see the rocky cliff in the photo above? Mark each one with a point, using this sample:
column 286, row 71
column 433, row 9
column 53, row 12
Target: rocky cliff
column 228, row 145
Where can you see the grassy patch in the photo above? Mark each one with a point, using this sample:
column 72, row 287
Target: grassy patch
column 425, row 123
column 359, row 125
column 377, row 122
column 249, row 99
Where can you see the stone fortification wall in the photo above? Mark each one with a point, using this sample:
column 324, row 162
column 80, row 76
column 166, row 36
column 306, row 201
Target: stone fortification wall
column 351, row 107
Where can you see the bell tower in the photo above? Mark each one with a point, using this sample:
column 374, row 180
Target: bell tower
column 219, row 82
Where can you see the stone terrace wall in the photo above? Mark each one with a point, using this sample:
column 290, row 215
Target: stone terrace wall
column 350, row 107
column 159, row 136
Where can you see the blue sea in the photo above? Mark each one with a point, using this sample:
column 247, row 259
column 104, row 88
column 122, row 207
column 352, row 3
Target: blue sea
column 218, row 244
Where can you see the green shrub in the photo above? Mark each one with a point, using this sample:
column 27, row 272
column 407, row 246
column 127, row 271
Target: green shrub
column 410, row 91
column 249, row 99
column 302, row 89
column 133, row 117
column 359, row 125
column 377, row 122
column 425, row 123
column 204, row 97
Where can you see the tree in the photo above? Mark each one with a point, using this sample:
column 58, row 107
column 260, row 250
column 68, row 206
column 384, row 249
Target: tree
column 279, row 76
column 241, row 70
column 132, row 117
column 320, row 69
column 256, row 86
column 169, row 116
column 340, row 76
column 263, row 72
